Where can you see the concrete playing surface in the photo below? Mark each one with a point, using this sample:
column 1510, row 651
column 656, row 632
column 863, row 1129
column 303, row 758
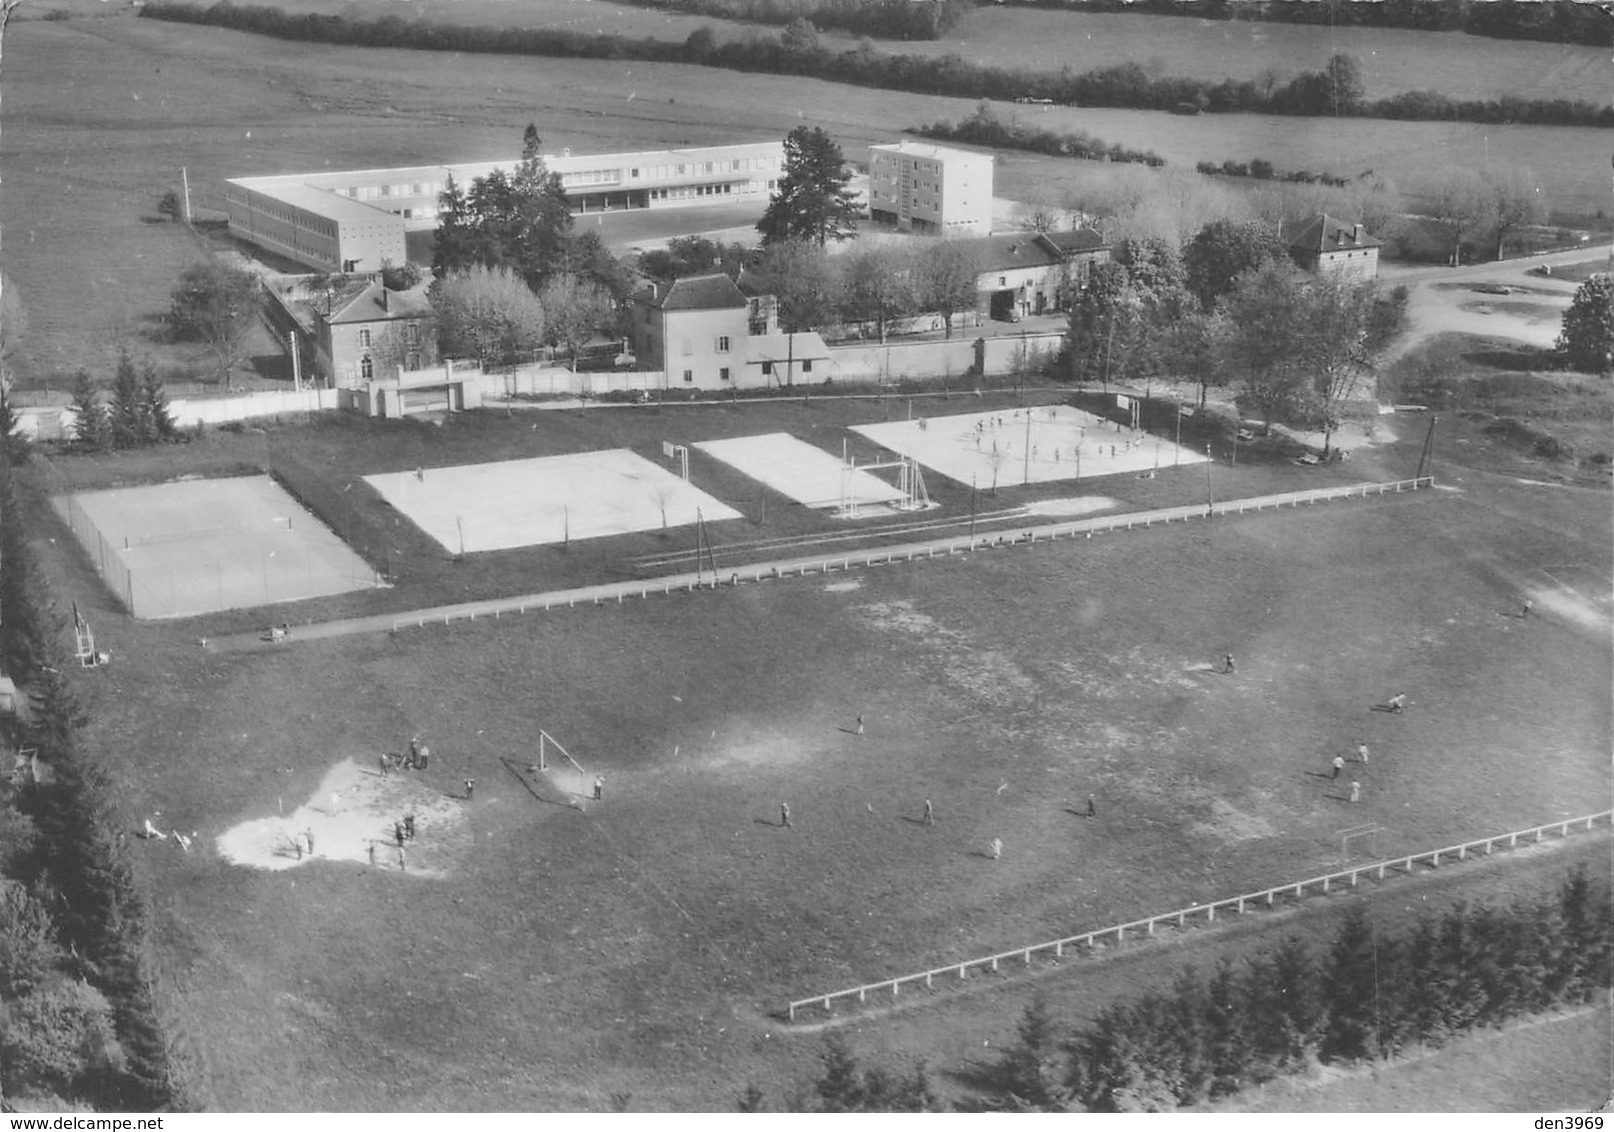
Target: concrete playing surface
column 198, row 546
column 546, row 499
column 1036, row 445
column 798, row 470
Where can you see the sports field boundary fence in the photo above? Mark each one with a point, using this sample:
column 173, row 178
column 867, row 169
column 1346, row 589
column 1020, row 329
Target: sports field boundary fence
column 896, row 554
column 1083, row 944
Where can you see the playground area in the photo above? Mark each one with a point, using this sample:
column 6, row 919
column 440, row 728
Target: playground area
column 1041, row 444
column 199, row 546
column 471, row 508
column 800, row 471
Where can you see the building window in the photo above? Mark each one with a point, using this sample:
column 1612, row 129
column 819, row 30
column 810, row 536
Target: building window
column 689, row 377
column 767, row 369
column 413, row 360
column 364, row 336
column 412, row 333
column 366, row 367
column 1003, row 280
column 723, row 374
column 723, row 344
column 806, row 365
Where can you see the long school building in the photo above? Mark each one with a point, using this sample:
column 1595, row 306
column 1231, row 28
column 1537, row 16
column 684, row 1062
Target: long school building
column 353, row 221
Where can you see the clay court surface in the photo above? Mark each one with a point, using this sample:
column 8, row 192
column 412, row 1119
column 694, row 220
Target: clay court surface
column 798, row 470
column 198, row 546
column 546, row 499
column 1039, row 444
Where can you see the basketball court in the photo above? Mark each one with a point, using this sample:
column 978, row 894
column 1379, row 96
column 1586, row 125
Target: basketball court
column 1043, row 444
column 800, row 471
column 198, row 546
column 546, row 499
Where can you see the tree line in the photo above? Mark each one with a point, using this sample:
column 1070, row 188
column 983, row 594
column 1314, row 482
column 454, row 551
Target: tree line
column 1369, row 995
column 1555, row 21
column 137, row 415
column 1126, row 86
column 985, row 128
column 883, row 19
column 78, row 1017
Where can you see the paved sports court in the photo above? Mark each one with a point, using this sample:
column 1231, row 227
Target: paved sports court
column 546, row 499
column 1042, row 444
column 799, row 470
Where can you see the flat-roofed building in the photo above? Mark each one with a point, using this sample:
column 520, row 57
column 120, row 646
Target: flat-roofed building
column 930, row 188
column 352, row 220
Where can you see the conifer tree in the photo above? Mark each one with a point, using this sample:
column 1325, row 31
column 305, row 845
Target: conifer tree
column 125, row 417
column 156, row 417
column 1349, row 989
column 1229, row 1046
column 90, row 427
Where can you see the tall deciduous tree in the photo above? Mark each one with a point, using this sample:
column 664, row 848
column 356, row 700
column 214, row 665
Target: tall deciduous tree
column 1223, row 250
column 1516, row 202
column 489, row 313
column 1458, row 203
column 574, row 311
column 517, row 219
column 1262, row 310
column 812, row 201
column 218, row 303
column 1345, row 328
column 882, row 285
column 1586, row 341
column 948, row 273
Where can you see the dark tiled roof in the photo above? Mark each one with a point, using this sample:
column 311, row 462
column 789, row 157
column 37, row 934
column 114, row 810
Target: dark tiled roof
column 1076, row 240
column 364, row 304
column 1020, row 249
column 1322, row 233
column 694, row 293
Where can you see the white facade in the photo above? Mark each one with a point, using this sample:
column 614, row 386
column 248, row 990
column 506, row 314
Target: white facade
column 351, row 221
column 929, row 188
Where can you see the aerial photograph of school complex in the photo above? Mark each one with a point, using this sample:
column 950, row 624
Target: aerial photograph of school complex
column 668, row 556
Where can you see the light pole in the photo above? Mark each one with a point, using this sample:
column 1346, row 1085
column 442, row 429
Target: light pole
column 1210, row 500
column 972, row 510
column 1177, row 455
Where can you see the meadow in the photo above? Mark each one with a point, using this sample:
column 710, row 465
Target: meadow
column 641, row 949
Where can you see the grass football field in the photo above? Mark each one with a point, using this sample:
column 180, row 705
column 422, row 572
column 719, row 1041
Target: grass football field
column 644, row 946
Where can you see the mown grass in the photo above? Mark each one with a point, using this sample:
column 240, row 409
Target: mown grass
column 643, row 947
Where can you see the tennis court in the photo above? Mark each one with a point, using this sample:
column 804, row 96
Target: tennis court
column 471, row 508
column 799, row 471
column 199, row 546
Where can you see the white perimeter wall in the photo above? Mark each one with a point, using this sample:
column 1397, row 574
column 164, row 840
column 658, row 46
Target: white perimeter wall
column 55, row 422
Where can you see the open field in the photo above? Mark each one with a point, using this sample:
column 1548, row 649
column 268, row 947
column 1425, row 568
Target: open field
column 138, row 100
column 1460, row 66
column 640, row 946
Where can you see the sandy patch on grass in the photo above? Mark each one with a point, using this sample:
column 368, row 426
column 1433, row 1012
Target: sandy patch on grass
column 1572, row 607
column 1227, row 822
column 352, row 810
column 1078, row 505
column 844, row 587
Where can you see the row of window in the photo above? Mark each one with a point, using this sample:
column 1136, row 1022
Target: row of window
column 579, row 177
column 367, row 364
column 720, row 344
column 411, row 335
column 296, row 217
column 723, row 373
column 690, row 192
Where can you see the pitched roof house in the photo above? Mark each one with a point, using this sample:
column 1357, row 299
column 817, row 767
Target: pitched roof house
column 694, row 329
column 1325, row 246
column 367, row 331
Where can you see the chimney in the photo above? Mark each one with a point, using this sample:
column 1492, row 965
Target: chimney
column 1356, row 233
column 654, row 291
column 383, row 296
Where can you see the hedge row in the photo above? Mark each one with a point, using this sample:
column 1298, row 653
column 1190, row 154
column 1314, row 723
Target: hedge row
column 985, row 130
column 1555, row 21
column 1263, row 170
column 883, row 19
column 1124, row 86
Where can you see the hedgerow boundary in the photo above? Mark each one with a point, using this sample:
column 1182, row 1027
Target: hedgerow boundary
column 1088, row 944
column 712, row 577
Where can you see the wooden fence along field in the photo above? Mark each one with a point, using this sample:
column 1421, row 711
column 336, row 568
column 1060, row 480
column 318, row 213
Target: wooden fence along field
column 1087, row 943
